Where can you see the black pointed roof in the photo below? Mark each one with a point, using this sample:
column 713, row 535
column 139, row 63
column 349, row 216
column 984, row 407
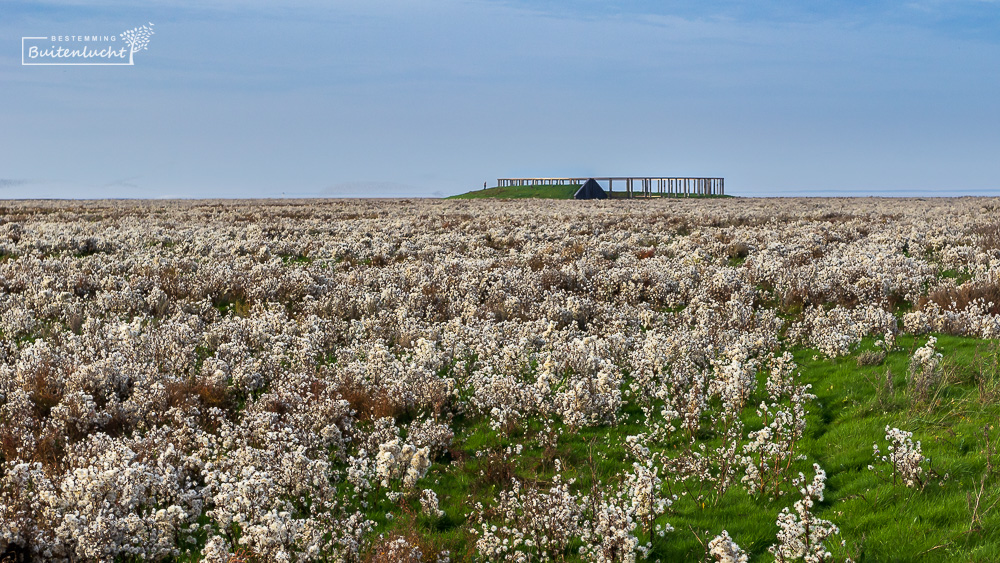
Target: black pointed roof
column 591, row 190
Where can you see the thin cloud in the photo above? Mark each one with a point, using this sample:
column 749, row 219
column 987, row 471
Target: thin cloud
column 123, row 183
column 6, row 183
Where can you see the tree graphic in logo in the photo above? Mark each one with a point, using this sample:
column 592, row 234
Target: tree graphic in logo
column 137, row 39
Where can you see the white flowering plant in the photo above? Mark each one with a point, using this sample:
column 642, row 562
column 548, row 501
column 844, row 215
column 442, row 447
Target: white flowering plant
column 531, row 380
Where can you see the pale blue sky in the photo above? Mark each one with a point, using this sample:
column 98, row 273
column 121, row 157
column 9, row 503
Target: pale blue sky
column 407, row 98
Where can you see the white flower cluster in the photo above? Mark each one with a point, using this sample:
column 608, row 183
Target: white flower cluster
column 397, row 461
column 434, row 436
column 724, row 550
column 429, row 504
column 924, row 372
column 926, row 358
column 533, row 523
column 904, row 456
column 398, row 550
column 801, row 535
column 208, row 379
column 528, row 523
column 769, row 452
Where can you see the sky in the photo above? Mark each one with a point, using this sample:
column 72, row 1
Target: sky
column 401, row 98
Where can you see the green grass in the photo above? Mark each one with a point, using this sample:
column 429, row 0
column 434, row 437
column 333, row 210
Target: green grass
column 559, row 191
column 960, row 276
column 893, row 523
column 879, row 521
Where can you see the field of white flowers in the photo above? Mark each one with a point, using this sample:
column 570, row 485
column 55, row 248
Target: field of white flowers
column 715, row 380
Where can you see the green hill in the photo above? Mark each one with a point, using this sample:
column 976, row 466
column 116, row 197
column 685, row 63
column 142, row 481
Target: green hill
column 560, row 191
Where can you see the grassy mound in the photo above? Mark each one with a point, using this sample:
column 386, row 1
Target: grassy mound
column 559, row 191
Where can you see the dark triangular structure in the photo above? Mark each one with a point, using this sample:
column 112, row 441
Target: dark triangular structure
column 591, row 190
